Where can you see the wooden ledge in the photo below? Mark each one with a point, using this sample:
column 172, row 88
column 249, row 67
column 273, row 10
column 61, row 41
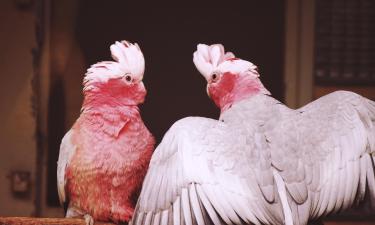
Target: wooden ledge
column 44, row 221
column 64, row 221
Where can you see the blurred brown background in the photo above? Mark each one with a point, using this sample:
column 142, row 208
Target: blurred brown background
column 303, row 48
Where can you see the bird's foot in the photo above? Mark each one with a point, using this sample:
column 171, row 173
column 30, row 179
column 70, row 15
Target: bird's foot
column 122, row 216
column 89, row 220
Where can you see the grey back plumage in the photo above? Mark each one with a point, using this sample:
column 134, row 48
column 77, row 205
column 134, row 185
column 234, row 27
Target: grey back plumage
column 263, row 163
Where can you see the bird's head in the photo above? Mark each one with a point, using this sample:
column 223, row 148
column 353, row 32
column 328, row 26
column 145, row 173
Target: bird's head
column 117, row 82
column 229, row 79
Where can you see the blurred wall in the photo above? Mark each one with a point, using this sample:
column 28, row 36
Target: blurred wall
column 17, row 143
column 67, row 68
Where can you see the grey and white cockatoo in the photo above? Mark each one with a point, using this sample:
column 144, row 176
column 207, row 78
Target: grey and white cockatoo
column 261, row 162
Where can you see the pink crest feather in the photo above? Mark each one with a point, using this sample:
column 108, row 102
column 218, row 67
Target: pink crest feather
column 208, row 58
column 213, row 58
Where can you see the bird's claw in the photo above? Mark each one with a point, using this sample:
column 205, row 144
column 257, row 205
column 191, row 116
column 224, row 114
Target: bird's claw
column 88, row 219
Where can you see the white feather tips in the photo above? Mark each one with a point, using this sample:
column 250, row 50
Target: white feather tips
column 128, row 60
column 213, row 58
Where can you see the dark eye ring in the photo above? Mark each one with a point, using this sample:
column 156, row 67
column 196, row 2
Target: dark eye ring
column 128, row 78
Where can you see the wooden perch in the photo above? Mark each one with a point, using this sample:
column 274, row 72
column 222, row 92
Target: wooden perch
column 44, row 221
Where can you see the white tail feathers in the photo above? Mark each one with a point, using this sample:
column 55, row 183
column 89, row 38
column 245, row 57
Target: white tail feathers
column 129, row 60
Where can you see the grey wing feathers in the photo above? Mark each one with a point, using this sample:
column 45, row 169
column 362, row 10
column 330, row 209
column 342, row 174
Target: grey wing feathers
column 67, row 149
column 208, row 172
column 200, row 175
column 332, row 156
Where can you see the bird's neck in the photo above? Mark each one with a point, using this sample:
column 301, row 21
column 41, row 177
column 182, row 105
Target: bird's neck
column 95, row 99
column 257, row 109
column 235, row 89
column 110, row 120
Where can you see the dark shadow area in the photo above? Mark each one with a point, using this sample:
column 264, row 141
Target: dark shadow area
column 168, row 35
column 56, row 127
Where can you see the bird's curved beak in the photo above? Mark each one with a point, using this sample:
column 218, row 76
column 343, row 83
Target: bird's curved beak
column 142, row 86
column 208, row 92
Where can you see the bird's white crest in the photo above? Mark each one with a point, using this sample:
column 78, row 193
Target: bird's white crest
column 213, row 58
column 128, row 60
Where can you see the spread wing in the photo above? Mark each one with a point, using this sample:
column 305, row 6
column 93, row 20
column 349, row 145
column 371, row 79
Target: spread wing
column 206, row 172
column 325, row 154
column 67, row 149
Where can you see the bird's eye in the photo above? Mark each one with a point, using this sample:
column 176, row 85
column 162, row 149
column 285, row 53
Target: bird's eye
column 214, row 77
column 128, row 78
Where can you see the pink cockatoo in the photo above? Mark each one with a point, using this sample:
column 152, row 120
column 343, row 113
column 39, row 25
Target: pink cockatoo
column 105, row 155
column 261, row 162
